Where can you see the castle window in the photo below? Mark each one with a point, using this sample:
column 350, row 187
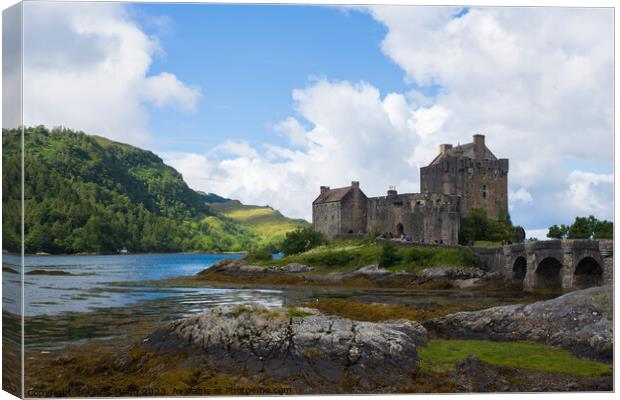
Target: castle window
column 484, row 191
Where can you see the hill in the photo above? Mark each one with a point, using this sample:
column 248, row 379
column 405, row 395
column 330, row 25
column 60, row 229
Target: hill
column 269, row 225
column 86, row 193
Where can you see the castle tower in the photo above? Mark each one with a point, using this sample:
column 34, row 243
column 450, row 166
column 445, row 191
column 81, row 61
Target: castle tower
column 472, row 172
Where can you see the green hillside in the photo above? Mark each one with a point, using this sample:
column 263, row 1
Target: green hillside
column 85, row 193
column 268, row 224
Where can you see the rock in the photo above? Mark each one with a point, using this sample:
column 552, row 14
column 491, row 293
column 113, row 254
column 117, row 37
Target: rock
column 315, row 352
column 470, row 283
column 372, row 269
column 6, row 268
column 474, row 376
column 452, row 273
column 48, row 272
column 295, row 268
column 580, row 322
column 252, row 268
column 218, row 265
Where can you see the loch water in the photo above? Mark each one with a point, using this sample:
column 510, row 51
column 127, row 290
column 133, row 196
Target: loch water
column 88, row 297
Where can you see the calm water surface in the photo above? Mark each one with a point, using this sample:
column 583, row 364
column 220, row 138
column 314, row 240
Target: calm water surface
column 89, row 285
column 86, row 303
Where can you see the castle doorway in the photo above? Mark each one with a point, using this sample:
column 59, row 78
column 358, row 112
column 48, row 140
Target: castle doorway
column 400, row 229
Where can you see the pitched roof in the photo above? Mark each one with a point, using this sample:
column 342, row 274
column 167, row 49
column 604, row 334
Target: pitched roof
column 464, row 150
column 331, row 195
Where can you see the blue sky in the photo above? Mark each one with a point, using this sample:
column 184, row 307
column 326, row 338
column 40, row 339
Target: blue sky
column 266, row 103
column 247, row 60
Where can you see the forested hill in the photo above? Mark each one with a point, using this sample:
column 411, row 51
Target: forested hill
column 85, row 193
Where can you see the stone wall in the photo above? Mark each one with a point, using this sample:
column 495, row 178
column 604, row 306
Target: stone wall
column 354, row 211
column 480, row 183
column 326, row 218
column 432, row 218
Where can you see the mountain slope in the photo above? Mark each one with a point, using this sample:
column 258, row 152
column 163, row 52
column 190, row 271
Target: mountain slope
column 268, row 224
column 89, row 194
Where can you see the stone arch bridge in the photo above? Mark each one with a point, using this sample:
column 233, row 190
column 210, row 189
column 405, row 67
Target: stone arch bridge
column 553, row 264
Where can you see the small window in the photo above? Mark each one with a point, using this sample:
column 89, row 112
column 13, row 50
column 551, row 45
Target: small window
column 484, row 191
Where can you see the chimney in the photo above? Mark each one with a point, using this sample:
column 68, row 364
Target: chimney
column 392, row 192
column 444, row 147
column 479, row 148
column 324, row 189
column 355, row 184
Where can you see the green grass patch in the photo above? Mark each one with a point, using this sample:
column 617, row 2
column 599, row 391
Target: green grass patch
column 297, row 313
column 345, row 255
column 487, row 244
column 269, row 225
column 440, row 356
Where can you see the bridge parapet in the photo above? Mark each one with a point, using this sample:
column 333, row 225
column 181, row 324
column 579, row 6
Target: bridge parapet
column 581, row 244
column 514, row 248
column 544, row 245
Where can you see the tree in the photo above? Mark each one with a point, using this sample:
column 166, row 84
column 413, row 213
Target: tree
column 300, row 240
column 583, row 228
column 557, row 232
column 603, row 230
column 477, row 226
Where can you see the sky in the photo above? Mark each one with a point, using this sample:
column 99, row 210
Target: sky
column 265, row 103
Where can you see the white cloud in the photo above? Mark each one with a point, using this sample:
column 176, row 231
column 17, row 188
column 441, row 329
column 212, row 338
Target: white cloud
column 291, row 128
column 86, row 67
column 528, row 77
column 540, row 234
column 590, row 193
column 428, row 121
column 520, row 196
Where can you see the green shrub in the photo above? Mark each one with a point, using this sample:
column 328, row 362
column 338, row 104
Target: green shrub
column 419, row 256
column 300, row 240
column 388, row 255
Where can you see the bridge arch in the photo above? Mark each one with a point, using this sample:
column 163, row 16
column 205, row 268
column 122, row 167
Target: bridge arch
column 549, row 274
column 519, row 268
column 588, row 272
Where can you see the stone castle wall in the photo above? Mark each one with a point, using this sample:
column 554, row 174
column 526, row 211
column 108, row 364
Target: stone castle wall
column 354, row 211
column 432, row 218
column 480, row 183
column 326, row 219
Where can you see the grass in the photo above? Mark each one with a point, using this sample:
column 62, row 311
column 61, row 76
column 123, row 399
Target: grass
column 440, row 356
column 345, row 255
column 487, row 244
column 268, row 224
column 297, row 313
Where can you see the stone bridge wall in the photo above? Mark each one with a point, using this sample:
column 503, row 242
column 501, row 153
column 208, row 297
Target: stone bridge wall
column 553, row 264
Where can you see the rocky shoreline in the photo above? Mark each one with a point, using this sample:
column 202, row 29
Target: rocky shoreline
column 314, row 353
column 240, row 272
column 307, row 351
column 239, row 349
column 579, row 321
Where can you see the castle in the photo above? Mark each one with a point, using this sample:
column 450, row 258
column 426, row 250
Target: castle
column 458, row 179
